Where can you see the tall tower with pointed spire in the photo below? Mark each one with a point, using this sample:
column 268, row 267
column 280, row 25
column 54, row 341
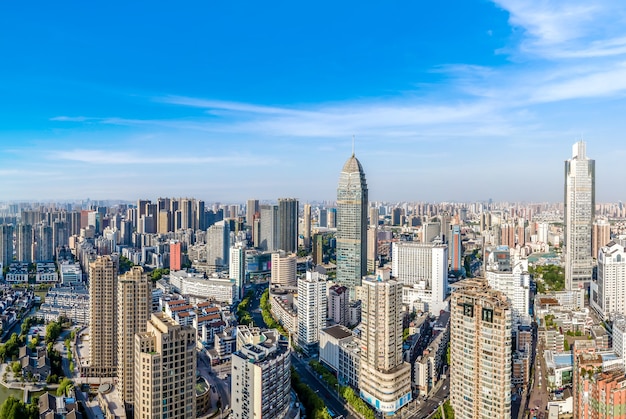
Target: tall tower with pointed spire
column 351, row 225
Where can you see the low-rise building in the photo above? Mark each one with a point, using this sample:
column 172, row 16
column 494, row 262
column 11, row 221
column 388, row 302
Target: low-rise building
column 331, row 339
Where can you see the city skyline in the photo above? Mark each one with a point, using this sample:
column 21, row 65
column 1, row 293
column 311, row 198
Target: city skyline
column 225, row 102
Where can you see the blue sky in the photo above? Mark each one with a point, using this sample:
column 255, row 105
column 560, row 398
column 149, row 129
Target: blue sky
column 455, row 100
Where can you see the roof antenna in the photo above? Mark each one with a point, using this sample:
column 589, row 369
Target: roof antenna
column 352, row 145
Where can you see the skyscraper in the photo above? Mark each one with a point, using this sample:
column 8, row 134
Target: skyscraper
column 102, row 316
column 237, row 267
column 6, row 244
column 480, row 351
column 218, row 246
column 268, row 234
column 307, row 226
column 456, row 249
column 134, row 304
column 288, row 224
column 579, row 206
column 165, row 370
column 252, row 207
column 351, row 225
column 385, row 379
column 24, row 241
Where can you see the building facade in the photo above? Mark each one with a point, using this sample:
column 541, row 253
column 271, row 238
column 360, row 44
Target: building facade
column 288, row 224
column 384, row 378
column 312, row 309
column 165, row 370
column 480, row 351
column 260, row 374
column 284, row 269
column 423, row 269
column 102, row 317
column 351, row 225
column 608, row 293
column 579, row 213
column 134, row 304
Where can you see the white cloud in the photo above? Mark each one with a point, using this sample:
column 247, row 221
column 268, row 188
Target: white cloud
column 124, row 158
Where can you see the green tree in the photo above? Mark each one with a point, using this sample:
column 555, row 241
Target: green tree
column 65, row 384
column 16, row 367
column 12, row 408
column 53, row 331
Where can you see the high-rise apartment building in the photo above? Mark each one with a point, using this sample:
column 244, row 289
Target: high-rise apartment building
column 312, row 310
column 338, row 305
column 307, row 226
column 102, row 317
column 288, row 224
column 601, row 236
column 384, row 377
column 283, row 270
column 44, row 247
column 252, row 207
column 608, row 293
column 134, row 304
column 351, row 225
column 218, row 246
column 176, row 256
column 237, row 267
column 260, row 375
column 510, row 276
column 6, row 244
column 579, row 213
column 423, row 270
column 480, row 351
column 456, row 249
column 268, row 234
column 24, row 243
column 372, row 248
column 165, row 370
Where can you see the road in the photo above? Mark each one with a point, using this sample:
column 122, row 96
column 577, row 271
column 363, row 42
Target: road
column 425, row 408
column 222, row 386
column 330, row 398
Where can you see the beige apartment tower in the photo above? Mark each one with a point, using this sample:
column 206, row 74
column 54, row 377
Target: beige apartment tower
column 102, row 317
column 385, row 379
column 283, row 272
column 480, row 351
column 133, row 311
column 165, row 370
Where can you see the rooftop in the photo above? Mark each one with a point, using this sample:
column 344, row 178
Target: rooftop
column 338, row 332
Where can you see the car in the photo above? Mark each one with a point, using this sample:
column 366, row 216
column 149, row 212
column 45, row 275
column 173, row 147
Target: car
column 445, row 387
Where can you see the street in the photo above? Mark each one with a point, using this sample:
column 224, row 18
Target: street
column 330, row 398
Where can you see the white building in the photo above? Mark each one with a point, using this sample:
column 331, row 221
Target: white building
column 608, row 293
column 423, row 270
column 578, row 217
column 71, row 274
column 218, row 245
column 237, row 267
column 619, row 338
column 331, row 339
column 312, row 309
column 510, row 276
column 284, row 269
column 192, row 284
column 260, row 375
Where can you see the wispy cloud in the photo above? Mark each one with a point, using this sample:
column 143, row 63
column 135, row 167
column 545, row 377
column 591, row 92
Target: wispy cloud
column 107, row 157
column 568, row 29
